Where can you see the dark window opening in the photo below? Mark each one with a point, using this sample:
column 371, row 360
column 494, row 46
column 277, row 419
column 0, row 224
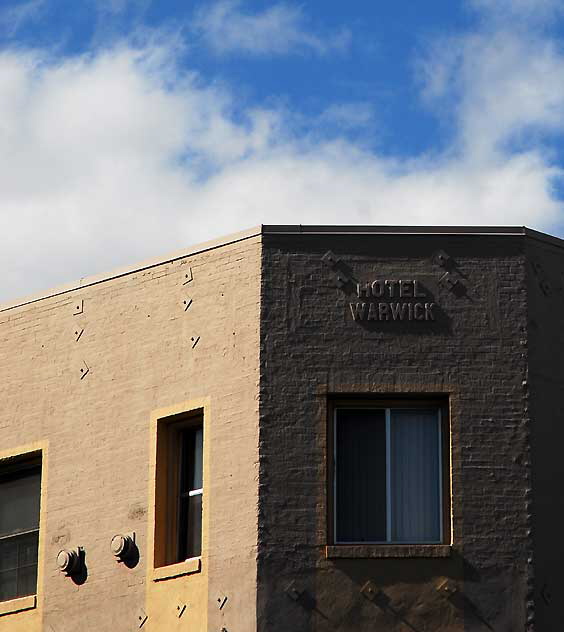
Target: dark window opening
column 388, row 474
column 190, row 493
column 20, row 489
column 179, row 489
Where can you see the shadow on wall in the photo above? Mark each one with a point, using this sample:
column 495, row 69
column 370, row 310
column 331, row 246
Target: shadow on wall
column 395, row 305
column 393, row 595
column 81, row 575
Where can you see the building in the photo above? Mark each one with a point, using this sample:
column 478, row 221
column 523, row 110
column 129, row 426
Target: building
column 292, row 429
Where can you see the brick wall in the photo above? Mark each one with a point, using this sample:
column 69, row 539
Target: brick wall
column 269, row 339
column 545, row 388
column 473, row 353
column 142, row 350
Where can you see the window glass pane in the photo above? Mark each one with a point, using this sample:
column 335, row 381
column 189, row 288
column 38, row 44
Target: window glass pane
column 20, row 487
column 27, row 580
column 415, row 476
column 8, row 554
column 8, row 585
column 186, row 463
column 18, row 565
column 194, row 539
column 27, row 548
column 19, row 502
column 361, row 475
column 190, row 535
column 197, row 459
column 191, row 459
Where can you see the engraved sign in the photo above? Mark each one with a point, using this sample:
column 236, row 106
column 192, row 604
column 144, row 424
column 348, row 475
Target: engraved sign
column 391, row 300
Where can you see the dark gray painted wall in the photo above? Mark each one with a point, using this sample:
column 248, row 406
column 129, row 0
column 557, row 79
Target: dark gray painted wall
column 474, row 353
column 545, row 276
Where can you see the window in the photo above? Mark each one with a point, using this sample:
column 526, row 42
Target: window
column 189, row 501
column 20, row 487
column 179, row 487
column 388, row 474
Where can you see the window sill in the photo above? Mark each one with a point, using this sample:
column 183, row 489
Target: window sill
column 353, row 551
column 18, row 605
column 188, row 567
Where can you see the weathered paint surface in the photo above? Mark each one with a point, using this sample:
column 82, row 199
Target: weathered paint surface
column 261, row 333
column 473, row 352
column 545, row 389
column 137, row 344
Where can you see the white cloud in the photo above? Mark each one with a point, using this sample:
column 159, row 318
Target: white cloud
column 116, row 7
column 113, row 6
column 348, row 115
column 14, row 17
column 280, row 29
column 533, row 11
column 501, row 88
column 112, row 157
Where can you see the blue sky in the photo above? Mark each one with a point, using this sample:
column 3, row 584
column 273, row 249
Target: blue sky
column 130, row 128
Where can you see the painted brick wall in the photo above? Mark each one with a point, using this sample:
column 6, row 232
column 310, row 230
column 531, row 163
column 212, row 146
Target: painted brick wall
column 138, row 344
column 286, row 304
column 545, row 280
column 475, row 353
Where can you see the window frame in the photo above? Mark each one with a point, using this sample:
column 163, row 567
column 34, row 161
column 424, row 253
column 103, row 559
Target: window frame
column 168, row 463
column 387, row 403
column 10, row 465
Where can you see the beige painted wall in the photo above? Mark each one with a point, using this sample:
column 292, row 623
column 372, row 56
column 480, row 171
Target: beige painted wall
column 138, row 357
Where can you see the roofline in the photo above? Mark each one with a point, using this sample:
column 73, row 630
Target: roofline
column 281, row 229
column 137, row 267
column 300, row 229
column 402, row 230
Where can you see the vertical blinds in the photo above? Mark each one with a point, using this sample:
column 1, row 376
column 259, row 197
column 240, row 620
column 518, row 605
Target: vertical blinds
column 414, row 476
column 388, row 475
